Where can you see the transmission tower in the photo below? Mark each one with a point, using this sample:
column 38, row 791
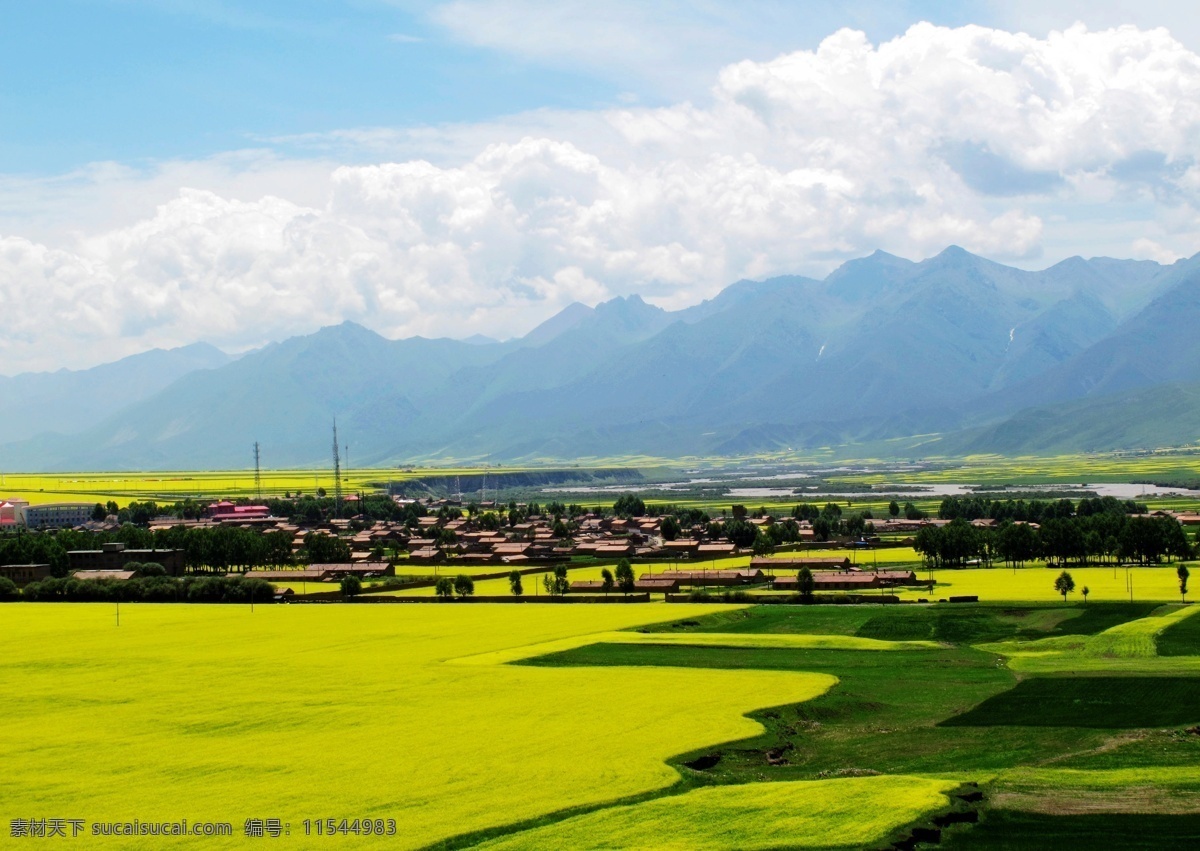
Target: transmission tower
column 337, row 473
column 257, row 474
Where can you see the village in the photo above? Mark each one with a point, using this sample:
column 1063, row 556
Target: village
column 437, row 537
column 379, row 546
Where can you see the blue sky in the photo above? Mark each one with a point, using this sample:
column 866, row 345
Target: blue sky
column 87, row 80
column 238, row 171
column 131, row 80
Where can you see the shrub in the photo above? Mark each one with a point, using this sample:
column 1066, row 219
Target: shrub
column 351, row 586
column 8, row 589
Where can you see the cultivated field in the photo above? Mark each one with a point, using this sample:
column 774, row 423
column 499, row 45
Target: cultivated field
column 214, row 713
column 170, row 487
column 610, row 726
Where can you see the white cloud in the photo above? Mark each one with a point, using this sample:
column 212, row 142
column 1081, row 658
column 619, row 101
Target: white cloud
column 992, row 140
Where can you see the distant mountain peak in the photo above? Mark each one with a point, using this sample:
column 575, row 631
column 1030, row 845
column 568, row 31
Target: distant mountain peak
column 627, row 304
column 479, row 340
column 868, row 277
column 954, row 255
column 346, row 330
column 559, row 323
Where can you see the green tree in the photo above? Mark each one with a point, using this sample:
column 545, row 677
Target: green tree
column 444, row 588
column 8, row 589
column 464, row 585
column 740, row 533
column 894, row 508
column 351, row 586
column 1182, row 573
column 560, row 585
column 99, row 513
column 1064, row 584
column 670, row 528
column 624, row 576
column 514, row 583
column 629, row 506
column 606, row 580
column 1085, row 591
column 762, row 544
column 806, row 583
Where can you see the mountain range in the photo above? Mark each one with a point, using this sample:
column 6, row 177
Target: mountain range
column 976, row 356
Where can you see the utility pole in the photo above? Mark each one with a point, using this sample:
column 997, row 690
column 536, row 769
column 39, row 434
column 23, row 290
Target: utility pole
column 257, row 474
column 337, row 473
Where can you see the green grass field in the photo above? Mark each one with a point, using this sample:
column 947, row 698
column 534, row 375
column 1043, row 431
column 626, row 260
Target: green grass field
column 960, row 712
column 1107, row 703
column 1005, row 830
column 1181, row 638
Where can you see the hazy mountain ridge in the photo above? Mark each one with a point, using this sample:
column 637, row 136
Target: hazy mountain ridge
column 70, row 401
column 881, row 348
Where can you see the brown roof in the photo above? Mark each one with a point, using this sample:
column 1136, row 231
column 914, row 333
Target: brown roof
column 822, row 561
column 118, row 575
column 360, row 567
column 284, row 575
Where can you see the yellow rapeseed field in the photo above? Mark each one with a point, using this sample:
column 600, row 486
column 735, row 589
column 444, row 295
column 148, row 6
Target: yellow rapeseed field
column 851, row 812
column 168, row 487
column 1036, row 584
column 294, row 712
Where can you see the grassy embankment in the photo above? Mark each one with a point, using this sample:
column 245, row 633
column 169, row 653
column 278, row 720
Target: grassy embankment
column 1060, row 754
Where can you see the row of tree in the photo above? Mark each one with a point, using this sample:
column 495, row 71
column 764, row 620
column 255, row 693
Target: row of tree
column 215, row 549
column 151, row 589
column 1095, row 538
column 1032, row 511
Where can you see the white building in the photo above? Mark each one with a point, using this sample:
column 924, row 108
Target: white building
column 55, row 515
